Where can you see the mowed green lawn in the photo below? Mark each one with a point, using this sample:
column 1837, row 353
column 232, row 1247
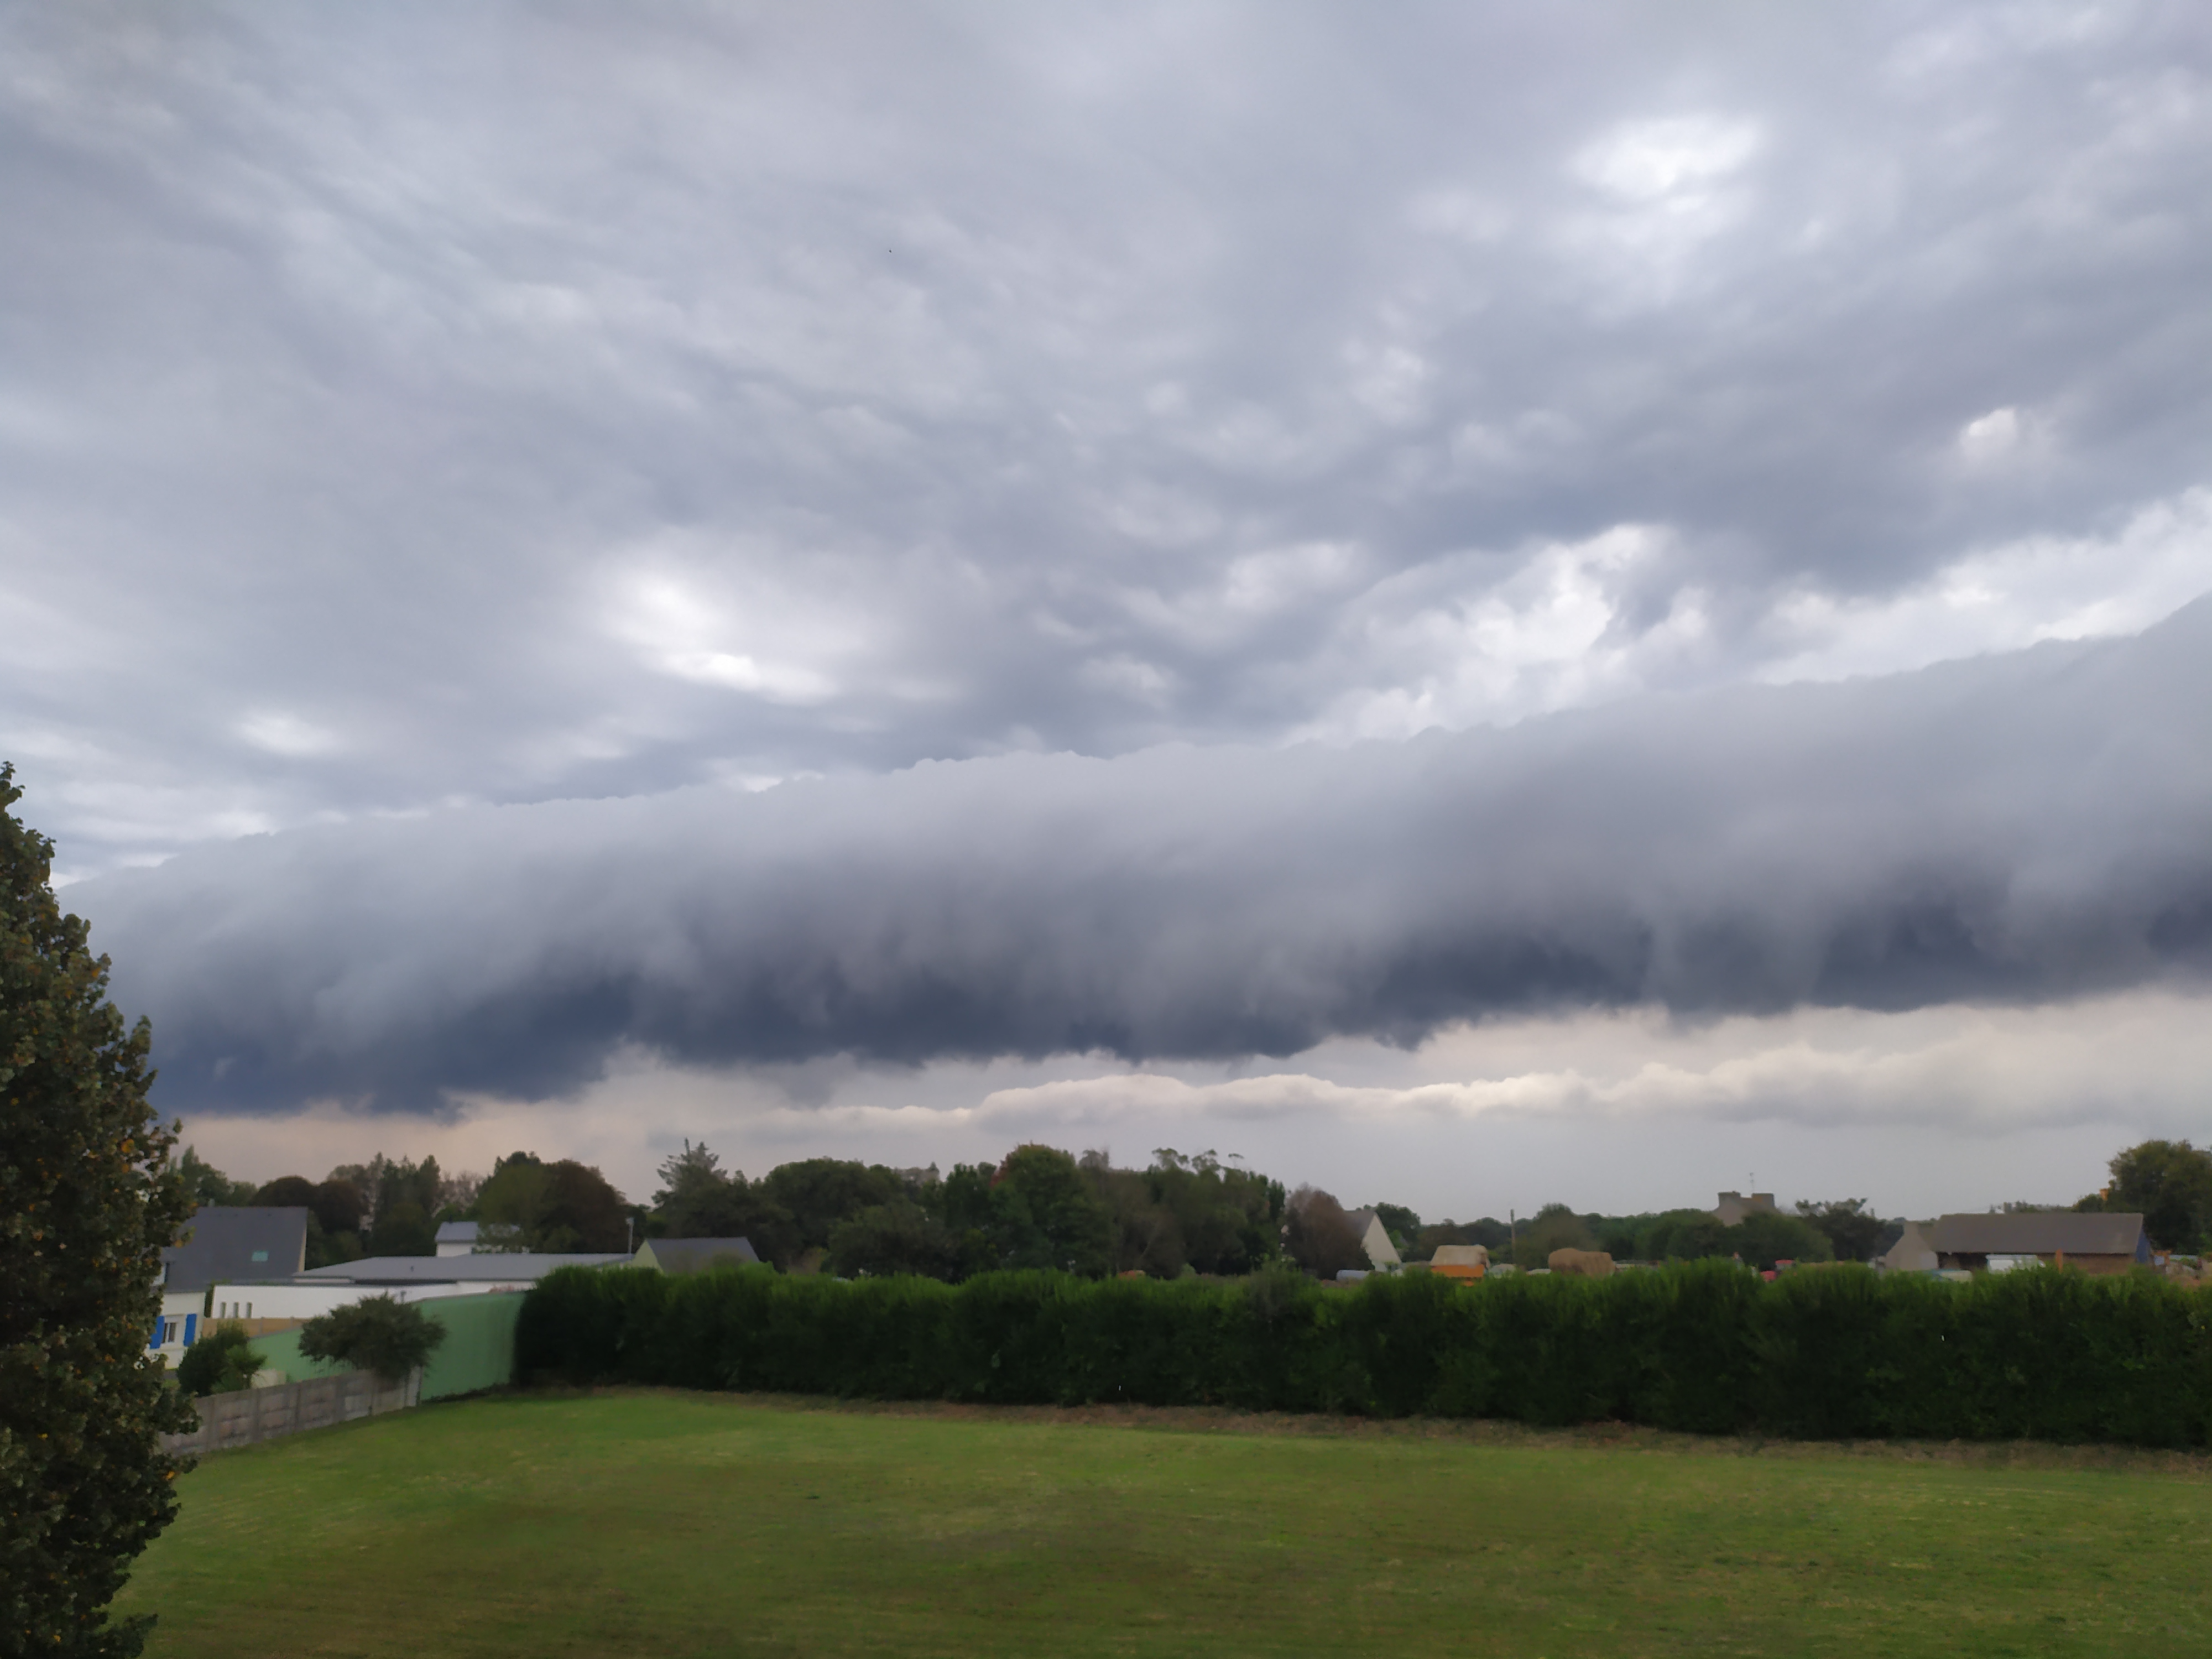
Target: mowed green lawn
column 672, row 1525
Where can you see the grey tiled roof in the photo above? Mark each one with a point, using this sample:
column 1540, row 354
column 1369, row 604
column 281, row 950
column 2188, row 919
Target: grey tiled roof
column 2036, row 1233
column 514, row 1265
column 225, row 1243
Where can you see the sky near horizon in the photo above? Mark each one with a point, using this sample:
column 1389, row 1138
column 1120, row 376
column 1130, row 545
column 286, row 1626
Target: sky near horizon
column 1591, row 603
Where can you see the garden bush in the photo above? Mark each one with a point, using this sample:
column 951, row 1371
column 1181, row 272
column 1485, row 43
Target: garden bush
column 1702, row 1347
column 378, row 1334
column 223, row 1361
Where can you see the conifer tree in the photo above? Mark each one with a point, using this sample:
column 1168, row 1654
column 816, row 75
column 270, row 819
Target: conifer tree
column 87, row 1203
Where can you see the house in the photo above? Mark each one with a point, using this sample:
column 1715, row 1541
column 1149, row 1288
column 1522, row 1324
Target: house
column 1735, row 1206
column 280, row 1304
column 1375, row 1239
column 222, row 1241
column 2096, row 1242
column 457, row 1238
column 694, row 1255
column 1913, row 1253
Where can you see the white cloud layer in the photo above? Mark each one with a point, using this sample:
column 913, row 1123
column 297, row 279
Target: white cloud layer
column 1937, row 1108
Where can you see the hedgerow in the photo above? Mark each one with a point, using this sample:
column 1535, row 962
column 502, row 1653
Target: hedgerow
column 1702, row 1346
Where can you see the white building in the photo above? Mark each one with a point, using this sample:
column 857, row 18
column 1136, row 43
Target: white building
column 1375, row 1239
column 402, row 1278
column 221, row 1242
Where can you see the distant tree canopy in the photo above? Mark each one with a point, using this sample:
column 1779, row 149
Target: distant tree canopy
column 1491, row 1233
column 204, row 1184
column 897, row 1238
column 88, row 1200
column 2169, row 1183
column 1037, row 1207
column 1761, row 1239
column 1184, row 1212
column 810, row 1198
column 1554, row 1227
column 1853, row 1232
column 1036, row 1210
column 1319, row 1235
column 697, row 1200
column 1192, row 1212
column 528, row 1204
column 1401, row 1223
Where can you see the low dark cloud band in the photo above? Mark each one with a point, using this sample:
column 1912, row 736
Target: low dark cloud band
column 2022, row 827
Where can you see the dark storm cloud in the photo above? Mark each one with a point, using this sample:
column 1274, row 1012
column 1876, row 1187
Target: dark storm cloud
column 2018, row 829
column 413, row 402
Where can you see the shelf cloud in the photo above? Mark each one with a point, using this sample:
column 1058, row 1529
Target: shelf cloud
column 2030, row 827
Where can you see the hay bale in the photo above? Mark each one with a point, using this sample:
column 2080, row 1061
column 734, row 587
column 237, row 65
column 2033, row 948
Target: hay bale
column 1585, row 1264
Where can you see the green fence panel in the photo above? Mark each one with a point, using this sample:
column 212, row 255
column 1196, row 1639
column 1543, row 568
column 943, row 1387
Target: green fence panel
column 281, row 1352
column 478, row 1352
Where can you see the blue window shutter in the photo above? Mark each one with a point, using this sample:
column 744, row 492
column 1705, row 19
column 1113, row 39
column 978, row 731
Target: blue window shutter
column 192, row 1325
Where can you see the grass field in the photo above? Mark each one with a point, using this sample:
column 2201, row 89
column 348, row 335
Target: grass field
column 675, row 1525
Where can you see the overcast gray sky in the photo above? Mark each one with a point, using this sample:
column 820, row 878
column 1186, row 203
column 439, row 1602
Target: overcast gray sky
column 833, row 568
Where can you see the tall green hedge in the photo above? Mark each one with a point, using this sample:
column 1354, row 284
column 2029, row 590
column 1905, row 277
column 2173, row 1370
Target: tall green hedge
column 1704, row 1346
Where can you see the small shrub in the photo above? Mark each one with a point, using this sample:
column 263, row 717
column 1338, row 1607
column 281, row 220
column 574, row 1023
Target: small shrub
column 223, row 1361
column 377, row 1334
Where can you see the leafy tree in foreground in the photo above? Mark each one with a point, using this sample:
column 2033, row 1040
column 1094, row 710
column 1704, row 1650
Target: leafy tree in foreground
column 221, row 1362
column 87, row 1201
column 376, row 1333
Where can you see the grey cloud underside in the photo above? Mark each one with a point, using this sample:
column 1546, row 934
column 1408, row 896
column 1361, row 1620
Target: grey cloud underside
column 2021, row 828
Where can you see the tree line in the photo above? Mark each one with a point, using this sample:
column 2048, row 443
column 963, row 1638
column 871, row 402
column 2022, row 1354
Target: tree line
column 394, row 1207
column 1040, row 1206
